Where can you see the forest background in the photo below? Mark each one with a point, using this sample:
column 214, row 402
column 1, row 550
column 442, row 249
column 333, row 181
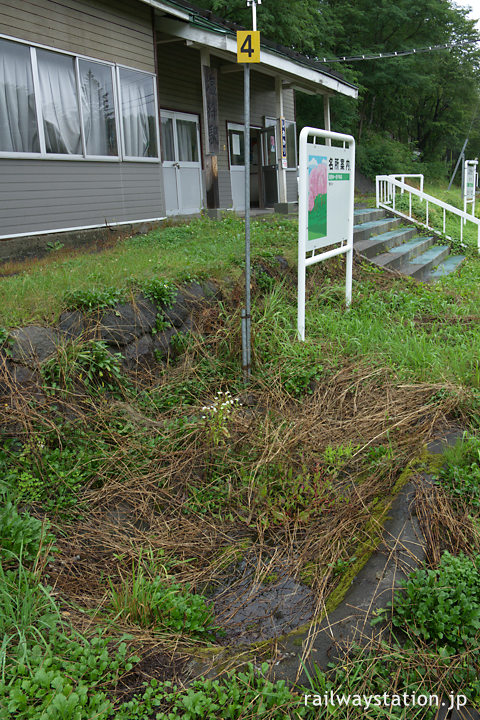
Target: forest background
column 414, row 112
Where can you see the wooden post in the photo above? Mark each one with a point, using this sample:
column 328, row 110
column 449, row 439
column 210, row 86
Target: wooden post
column 210, row 130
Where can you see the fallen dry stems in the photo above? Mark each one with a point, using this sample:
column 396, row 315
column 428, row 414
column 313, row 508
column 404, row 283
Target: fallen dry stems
column 144, row 504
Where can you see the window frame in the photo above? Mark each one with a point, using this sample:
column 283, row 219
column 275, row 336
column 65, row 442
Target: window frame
column 175, row 115
column 99, row 158
column 118, row 110
column 239, row 127
column 115, row 71
column 288, row 123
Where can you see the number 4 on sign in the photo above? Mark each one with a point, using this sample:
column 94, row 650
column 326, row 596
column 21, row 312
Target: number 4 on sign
column 248, row 46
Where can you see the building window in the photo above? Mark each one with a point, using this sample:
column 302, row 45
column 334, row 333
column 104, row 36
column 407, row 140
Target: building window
column 59, row 103
column 291, row 144
column 187, row 140
column 98, row 108
column 236, row 143
column 18, row 117
column 166, row 135
column 55, row 104
column 138, row 112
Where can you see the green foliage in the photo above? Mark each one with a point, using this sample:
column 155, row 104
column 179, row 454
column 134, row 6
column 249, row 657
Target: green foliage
column 64, row 679
column 205, row 248
column 55, row 246
column 92, row 299
column 88, row 363
column 173, row 394
column 229, row 698
column 461, row 473
column 159, row 292
column 300, row 370
column 27, row 613
column 150, row 600
column 264, row 281
column 442, row 605
column 341, row 566
column 37, row 472
column 335, row 458
column 21, row 535
column 378, row 154
column 181, row 342
column 285, row 495
column 218, row 416
column 308, row 27
column 277, row 350
column 3, row 336
column 47, row 671
column 211, row 498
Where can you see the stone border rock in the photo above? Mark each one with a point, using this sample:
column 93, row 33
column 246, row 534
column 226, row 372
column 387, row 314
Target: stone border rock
column 127, row 328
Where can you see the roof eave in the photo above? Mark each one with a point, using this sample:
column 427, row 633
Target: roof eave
column 224, row 42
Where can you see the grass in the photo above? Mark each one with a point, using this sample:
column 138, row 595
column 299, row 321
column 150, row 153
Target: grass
column 181, row 483
column 422, row 332
column 201, row 247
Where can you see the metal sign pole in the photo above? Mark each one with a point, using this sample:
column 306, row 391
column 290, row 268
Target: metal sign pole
column 246, row 316
column 248, row 50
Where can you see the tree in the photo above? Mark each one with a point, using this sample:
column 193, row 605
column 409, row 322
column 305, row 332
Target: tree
column 427, row 100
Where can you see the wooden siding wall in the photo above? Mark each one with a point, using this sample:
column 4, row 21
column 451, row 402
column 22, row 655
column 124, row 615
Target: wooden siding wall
column 51, row 195
column 179, row 78
column 40, row 195
column 114, row 30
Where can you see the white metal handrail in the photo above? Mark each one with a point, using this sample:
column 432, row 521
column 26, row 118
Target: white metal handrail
column 402, row 176
column 386, row 187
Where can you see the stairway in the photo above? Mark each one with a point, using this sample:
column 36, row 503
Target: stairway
column 388, row 243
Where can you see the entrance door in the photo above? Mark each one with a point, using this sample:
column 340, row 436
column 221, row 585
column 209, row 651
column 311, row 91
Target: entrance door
column 182, row 169
column 236, row 149
column 269, row 165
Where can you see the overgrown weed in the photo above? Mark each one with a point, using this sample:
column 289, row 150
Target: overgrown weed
column 299, row 481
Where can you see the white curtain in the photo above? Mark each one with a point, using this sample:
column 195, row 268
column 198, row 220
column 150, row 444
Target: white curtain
column 58, row 90
column 98, row 108
column 187, row 140
column 167, row 145
column 138, row 113
column 18, row 121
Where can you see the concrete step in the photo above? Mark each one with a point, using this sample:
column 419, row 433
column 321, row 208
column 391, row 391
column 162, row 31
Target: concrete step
column 362, row 215
column 384, row 241
column 425, row 262
column 446, row 267
column 364, row 230
column 397, row 257
column 377, row 244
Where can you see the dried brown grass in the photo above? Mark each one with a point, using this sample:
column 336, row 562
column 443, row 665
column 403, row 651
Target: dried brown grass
column 146, row 506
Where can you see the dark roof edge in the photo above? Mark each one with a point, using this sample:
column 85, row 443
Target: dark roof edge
column 209, row 17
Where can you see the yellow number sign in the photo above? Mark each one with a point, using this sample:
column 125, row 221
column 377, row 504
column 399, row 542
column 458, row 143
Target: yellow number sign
column 248, row 46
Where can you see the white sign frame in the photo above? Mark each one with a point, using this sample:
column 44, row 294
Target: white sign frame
column 469, row 173
column 338, row 224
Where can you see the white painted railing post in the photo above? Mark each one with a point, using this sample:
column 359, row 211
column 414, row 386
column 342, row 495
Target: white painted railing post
column 377, row 191
column 387, row 200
